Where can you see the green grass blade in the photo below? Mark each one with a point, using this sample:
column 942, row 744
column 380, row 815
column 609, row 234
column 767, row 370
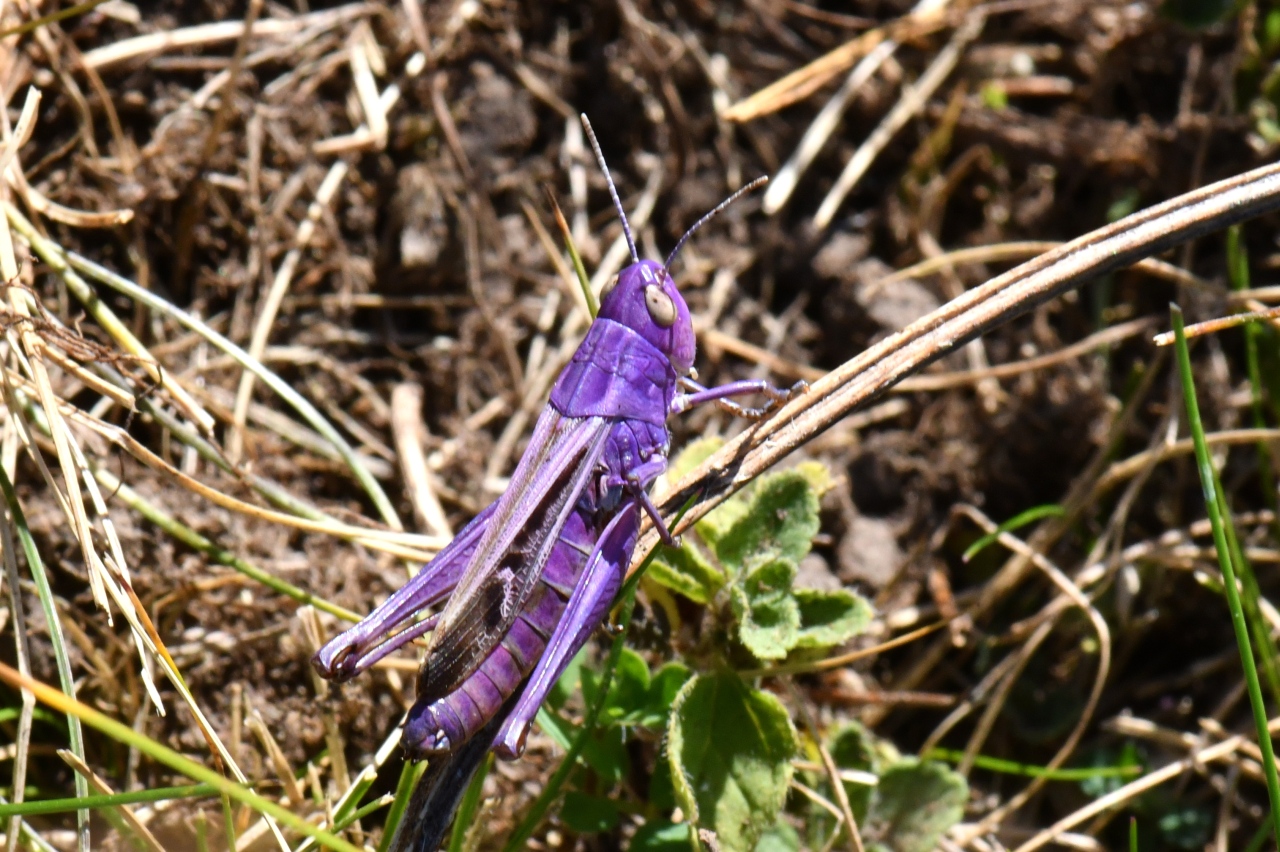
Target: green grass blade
column 1214, row 505
column 1238, row 274
column 168, row 757
column 1029, row 770
column 1035, row 513
column 467, row 809
column 70, row 266
column 108, row 800
column 57, row 642
column 373, row 807
column 409, row 776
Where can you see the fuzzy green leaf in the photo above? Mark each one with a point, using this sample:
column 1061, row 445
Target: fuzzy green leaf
column 851, row 747
column 768, row 616
column 693, row 454
column 661, row 836
column 779, row 838
column 588, row 814
column 730, row 750
column 628, row 691
column 665, row 686
column 914, row 804
column 818, row 476
column 721, row 519
column 685, row 570
column 780, row 521
column 830, row 618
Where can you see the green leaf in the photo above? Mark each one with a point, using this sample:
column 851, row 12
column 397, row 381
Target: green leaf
column 693, row 454
column 663, row 688
column 568, row 680
column 851, row 747
column 914, row 804
column 628, row 691
column 770, row 629
column 685, row 570
column 770, row 581
column 817, row 474
column 830, row 618
column 661, row 836
column 662, row 793
column 768, row 616
column 721, row 519
column 588, row 814
column 779, row 838
column 730, row 749
column 780, row 521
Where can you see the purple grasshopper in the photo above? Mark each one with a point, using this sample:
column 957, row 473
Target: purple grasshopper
column 534, row 574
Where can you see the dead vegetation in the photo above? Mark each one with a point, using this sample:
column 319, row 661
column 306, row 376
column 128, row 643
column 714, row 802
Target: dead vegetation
column 258, row 256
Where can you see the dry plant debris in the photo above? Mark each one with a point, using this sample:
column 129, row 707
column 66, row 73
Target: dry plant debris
column 280, row 309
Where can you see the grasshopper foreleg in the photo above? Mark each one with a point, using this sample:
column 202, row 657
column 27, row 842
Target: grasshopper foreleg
column 721, row 394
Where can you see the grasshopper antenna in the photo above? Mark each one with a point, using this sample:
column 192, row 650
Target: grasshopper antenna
column 613, row 190
column 755, row 184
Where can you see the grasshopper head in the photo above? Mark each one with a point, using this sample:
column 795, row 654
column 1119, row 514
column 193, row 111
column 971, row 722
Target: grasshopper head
column 645, row 299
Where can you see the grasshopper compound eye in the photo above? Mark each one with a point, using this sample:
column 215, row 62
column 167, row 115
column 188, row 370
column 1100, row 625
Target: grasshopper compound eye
column 661, row 309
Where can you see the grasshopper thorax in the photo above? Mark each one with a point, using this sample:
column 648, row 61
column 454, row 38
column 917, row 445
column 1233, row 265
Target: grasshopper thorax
column 645, row 299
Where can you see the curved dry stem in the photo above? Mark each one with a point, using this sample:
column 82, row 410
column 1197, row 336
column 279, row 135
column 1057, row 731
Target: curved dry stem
column 871, row 374
column 1072, row 592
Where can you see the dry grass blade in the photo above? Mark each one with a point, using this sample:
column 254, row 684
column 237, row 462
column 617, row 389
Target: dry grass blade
column 1071, row 591
column 409, row 432
column 833, row 773
column 803, row 82
column 913, row 100
column 873, row 372
column 275, row 295
column 206, row 34
column 1102, row 804
column 824, row 123
column 139, row 829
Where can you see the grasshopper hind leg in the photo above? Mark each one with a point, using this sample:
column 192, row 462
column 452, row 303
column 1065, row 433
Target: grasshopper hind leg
column 587, row 607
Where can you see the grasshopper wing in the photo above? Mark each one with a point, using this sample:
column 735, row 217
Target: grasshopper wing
column 508, row 561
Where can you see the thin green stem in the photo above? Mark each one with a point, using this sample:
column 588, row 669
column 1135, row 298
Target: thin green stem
column 168, row 757
column 1214, row 506
column 467, row 809
column 376, row 805
column 409, row 776
column 57, row 642
column 69, row 265
column 1013, row 767
column 199, row 543
column 106, row 800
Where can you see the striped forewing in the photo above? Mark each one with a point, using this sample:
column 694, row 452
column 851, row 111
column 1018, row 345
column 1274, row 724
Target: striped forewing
column 509, row 560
